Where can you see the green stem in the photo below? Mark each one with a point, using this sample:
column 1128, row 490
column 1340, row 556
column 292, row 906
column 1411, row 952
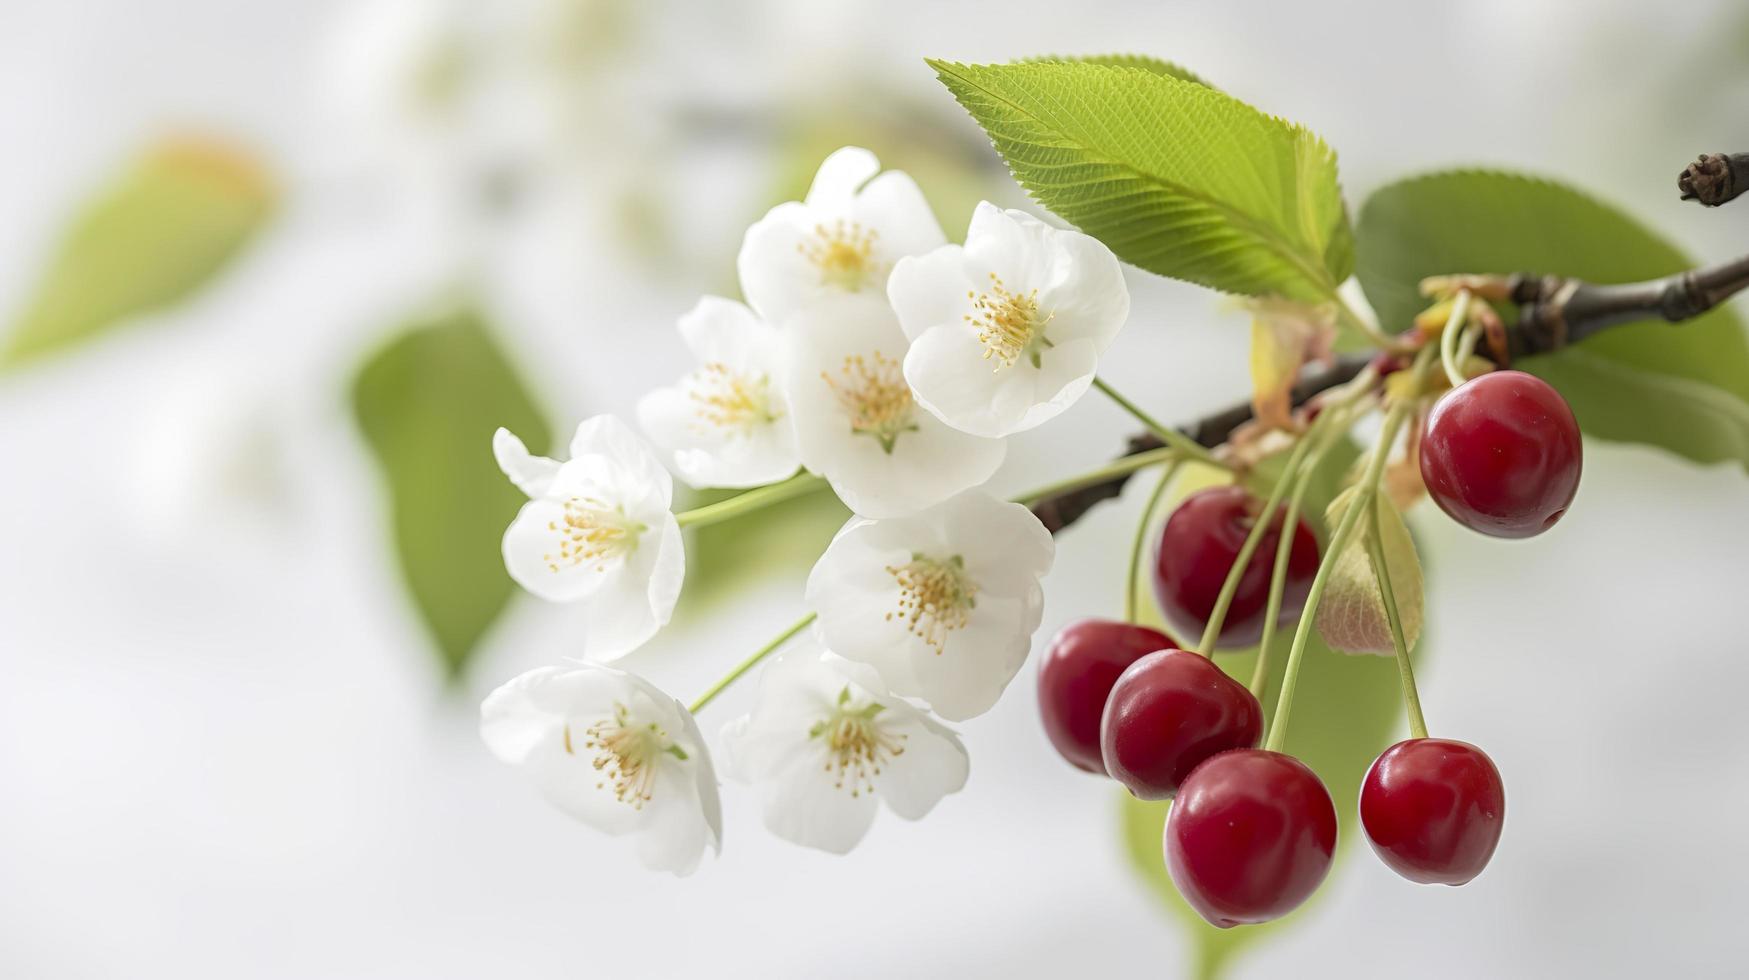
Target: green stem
column 1119, row 467
column 1170, row 436
column 748, row 664
column 1369, row 484
column 1381, row 571
column 1283, row 552
column 1448, row 338
column 751, row 500
column 1230, row 587
column 1132, row 584
column 1348, row 315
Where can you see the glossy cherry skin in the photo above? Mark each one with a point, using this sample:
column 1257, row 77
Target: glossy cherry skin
column 1433, row 809
column 1167, row 713
column 1501, row 455
column 1198, row 546
column 1250, row 837
column 1076, row 675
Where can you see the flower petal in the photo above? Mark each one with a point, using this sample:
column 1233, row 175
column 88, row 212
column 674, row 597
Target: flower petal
column 531, row 556
column 532, row 474
column 893, row 204
column 930, row 290
column 934, row 764
column 840, row 176
column 638, row 598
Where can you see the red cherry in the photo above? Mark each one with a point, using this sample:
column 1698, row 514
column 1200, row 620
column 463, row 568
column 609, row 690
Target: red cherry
column 1201, row 541
column 1433, row 809
column 1250, row 837
column 1167, row 713
column 1075, row 677
column 1501, row 455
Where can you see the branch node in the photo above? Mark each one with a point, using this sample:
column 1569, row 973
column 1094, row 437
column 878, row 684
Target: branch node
column 1715, row 178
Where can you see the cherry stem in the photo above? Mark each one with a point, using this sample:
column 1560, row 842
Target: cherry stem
column 1367, row 487
column 1190, row 448
column 1284, row 551
column 1119, row 467
column 751, row 500
column 748, row 664
column 1230, row 587
column 1448, row 338
column 1381, row 571
column 1132, row 584
column 1348, row 315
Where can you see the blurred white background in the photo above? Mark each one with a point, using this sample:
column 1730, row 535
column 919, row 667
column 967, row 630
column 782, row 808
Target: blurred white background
column 226, row 751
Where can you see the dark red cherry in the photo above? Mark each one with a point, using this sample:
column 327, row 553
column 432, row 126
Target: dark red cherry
column 1501, row 455
column 1198, row 546
column 1250, row 837
column 1075, row 677
column 1433, row 809
column 1167, row 713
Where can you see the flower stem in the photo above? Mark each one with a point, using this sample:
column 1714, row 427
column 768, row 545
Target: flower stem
column 751, row 500
column 1448, row 338
column 1170, row 436
column 748, row 664
column 1230, row 587
column 1381, row 571
column 1132, row 583
column 1368, row 486
column 1119, row 467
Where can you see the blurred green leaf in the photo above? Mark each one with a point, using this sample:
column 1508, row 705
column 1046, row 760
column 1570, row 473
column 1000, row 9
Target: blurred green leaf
column 428, row 404
column 724, row 558
column 1352, row 616
column 1173, row 176
column 1683, row 387
column 166, row 227
column 1345, row 713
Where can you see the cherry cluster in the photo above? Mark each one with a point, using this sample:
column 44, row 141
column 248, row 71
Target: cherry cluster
column 1251, row 831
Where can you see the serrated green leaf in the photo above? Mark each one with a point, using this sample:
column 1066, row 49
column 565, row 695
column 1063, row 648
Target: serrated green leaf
column 1145, row 62
column 1345, row 713
column 1683, row 387
column 166, row 227
column 428, row 404
column 1351, row 617
column 1173, row 176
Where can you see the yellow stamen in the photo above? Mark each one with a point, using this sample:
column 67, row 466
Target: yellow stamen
column 857, row 745
column 626, row 755
column 844, row 254
column 874, row 394
column 935, row 597
column 1008, row 324
column 737, row 402
column 590, row 531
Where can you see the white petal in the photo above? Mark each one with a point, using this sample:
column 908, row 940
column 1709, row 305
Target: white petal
column 511, row 724
column 638, row 599
column 958, row 385
column 1088, row 298
column 704, row 774
column 975, row 665
column 840, row 176
column 532, row 474
column 1013, row 246
column 797, row 787
column 930, row 290
column 934, row 765
column 678, row 828
column 894, row 204
column 531, row 549
column 637, row 474
column 722, row 331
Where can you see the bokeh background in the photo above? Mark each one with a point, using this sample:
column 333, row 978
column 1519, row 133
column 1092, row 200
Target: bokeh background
column 231, row 746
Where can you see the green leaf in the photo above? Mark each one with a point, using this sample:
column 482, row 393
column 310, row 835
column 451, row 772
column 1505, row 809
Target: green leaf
column 1347, row 710
column 166, row 227
column 1147, row 63
column 1681, row 387
column 1173, row 176
column 428, row 404
column 1351, row 617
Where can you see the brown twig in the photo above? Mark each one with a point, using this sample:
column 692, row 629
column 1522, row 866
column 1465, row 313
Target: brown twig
column 1715, row 179
column 1553, row 312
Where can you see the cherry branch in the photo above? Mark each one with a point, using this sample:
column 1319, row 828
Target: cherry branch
column 1715, row 179
column 1553, row 311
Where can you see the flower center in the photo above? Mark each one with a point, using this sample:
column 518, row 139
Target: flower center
column 843, row 252
column 1008, row 324
column 736, row 402
column 874, row 394
column 856, row 745
column 591, row 531
column 626, row 755
column 935, row 597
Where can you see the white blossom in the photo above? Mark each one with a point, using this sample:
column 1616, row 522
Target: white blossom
column 857, row 422
column 942, row 603
column 727, row 423
column 842, row 241
column 597, row 529
column 1006, row 332
column 614, row 751
column 826, row 740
